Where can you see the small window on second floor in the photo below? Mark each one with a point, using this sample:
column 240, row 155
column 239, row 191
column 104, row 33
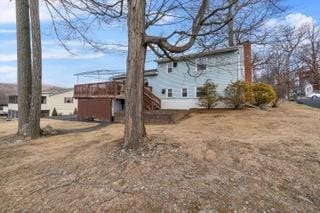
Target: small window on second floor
column 68, row 100
column 169, row 67
column 184, row 92
column 201, row 64
column 175, row 64
column 169, row 93
column 163, row 91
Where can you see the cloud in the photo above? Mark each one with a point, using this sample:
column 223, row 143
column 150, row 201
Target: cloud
column 8, row 74
column 299, row 19
column 8, row 57
column 7, row 31
column 8, row 12
column 51, row 54
column 294, row 20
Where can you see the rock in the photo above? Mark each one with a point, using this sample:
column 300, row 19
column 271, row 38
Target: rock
column 48, row 130
column 210, row 155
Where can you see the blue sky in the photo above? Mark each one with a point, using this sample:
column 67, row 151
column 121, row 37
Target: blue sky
column 59, row 66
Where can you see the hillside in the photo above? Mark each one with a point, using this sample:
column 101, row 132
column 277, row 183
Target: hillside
column 11, row 89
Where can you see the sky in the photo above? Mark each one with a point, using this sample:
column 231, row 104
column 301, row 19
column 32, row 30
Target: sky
column 59, row 65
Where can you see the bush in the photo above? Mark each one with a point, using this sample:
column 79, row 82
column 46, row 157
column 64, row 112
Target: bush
column 238, row 93
column 54, row 112
column 209, row 95
column 263, row 94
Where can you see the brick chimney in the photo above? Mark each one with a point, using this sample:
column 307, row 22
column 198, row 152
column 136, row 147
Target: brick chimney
column 247, row 62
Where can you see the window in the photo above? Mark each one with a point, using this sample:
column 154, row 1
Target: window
column 68, row 100
column 199, row 91
column 163, row 91
column 13, row 99
column 170, row 67
column 43, row 99
column 184, row 92
column 169, row 93
column 201, row 64
column 175, row 64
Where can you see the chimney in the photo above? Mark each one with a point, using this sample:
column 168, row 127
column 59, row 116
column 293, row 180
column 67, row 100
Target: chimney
column 247, row 62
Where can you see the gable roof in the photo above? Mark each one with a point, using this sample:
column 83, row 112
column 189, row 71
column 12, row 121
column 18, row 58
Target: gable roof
column 198, row 55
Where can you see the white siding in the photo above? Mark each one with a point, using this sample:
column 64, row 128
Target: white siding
column 57, row 101
column 221, row 69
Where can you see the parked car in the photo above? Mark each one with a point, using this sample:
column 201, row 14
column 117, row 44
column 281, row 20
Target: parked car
column 314, row 95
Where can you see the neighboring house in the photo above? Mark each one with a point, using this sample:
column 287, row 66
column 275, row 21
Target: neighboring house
column 173, row 85
column 308, row 89
column 3, row 110
column 62, row 101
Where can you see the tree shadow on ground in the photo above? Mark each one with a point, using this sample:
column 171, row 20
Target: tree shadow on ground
column 82, row 130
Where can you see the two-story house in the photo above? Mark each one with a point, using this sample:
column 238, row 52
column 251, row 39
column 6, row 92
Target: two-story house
column 62, row 101
column 175, row 84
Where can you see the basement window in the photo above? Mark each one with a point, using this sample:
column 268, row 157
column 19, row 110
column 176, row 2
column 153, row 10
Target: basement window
column 169, row 93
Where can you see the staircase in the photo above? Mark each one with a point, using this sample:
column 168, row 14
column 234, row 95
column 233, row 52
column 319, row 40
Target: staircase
column 151, row 101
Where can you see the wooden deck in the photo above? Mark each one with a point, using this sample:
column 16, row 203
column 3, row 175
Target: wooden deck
column 99, row 90
column 113, row 90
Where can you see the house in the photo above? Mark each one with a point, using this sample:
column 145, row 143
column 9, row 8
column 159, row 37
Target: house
column 62, row 101
column 175, row 84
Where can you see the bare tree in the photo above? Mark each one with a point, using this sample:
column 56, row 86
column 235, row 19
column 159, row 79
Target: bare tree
column 247, row 23
column 309, row 53
column 24, row 65
column 289, row 40
column 141, row 16
column 36, row 70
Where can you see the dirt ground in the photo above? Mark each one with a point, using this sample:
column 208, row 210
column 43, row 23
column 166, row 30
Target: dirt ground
column 220, row 161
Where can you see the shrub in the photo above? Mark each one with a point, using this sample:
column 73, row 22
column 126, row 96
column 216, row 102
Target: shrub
column 238, row 93
column 209, row 95
column 263, row 94
column 54, row 112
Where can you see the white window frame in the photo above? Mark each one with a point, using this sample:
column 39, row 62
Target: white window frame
column 168, row 93
column 196, row 91
column 182, row 93
column 170, row 63
column 205, row 60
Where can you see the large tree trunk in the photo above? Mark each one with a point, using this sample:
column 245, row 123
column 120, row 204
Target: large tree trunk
column 135, row 132
column 36, row 70
column 24, row 65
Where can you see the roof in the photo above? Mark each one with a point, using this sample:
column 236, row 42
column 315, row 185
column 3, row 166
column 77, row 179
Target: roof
column 60, row 91
column 152, row 72
column 198, row 55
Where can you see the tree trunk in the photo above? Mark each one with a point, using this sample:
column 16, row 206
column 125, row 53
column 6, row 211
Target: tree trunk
column 36, row 70
column 135, row 132
column 24, row 65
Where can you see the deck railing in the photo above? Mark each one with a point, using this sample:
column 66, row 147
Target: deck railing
column 99, row 90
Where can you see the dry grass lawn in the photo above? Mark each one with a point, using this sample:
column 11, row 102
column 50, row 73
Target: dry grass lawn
column 224, row 161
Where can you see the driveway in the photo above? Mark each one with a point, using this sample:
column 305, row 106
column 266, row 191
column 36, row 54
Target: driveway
column 310, row 102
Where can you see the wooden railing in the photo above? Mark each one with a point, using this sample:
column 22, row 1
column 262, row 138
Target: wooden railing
column 99, row 90
column 114, row 90
column 151, row 101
